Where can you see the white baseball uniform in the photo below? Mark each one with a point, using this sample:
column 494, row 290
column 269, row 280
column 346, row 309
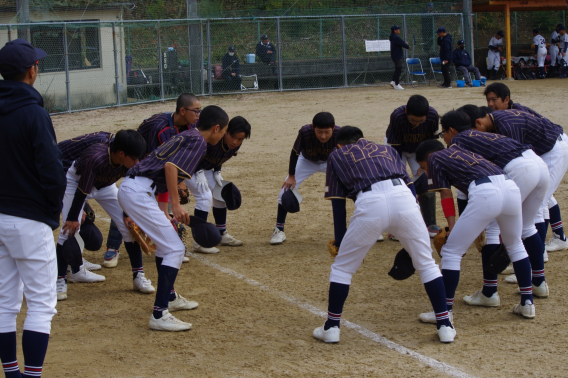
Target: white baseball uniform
column 304, row 169
column 540, row 42
column 555, row 56
column 494, row 57
column 204, row 198
column 557, row 162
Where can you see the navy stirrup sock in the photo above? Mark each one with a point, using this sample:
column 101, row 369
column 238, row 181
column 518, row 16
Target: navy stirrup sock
column 489, row 279
column 437, row 294
column 8, row 355
column 534, row 247
column 34, row 346
column 451, row 280
column 337, row 296
column 166, row 278
column 281, row 217
column 135, row 255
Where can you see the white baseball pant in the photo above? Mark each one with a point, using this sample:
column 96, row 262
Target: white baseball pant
column 493, row 60
column 499, row 199
column 410, row 157
column 136, row 197
column 106, row 197
column 555, row 55
column 27, row 266
column 304, row 169
column 390, row 208
column 530, row 173
column 541, row 56
column 203, row 200
column 557, row 162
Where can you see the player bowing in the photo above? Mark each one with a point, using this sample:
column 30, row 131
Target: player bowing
column 374, row 176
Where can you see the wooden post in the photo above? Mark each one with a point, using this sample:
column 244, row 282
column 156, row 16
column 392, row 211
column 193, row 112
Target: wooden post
column 508, row 39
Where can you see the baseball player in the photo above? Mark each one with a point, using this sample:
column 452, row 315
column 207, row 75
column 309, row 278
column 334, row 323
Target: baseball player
column 374, row 176
column 554, row 51
column 498, row 97
column 493, row 55
column 530, row 173
column 93, row 175
column 161, row 171
column 30, row 203
column 491, row 195
column 562, row 46
column 539, row 43
column 208, row 175
column 558, row 241
column 309, row 155
column 410, row 125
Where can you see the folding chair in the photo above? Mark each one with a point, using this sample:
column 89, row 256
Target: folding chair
column 414, row 67
column 434, row 71
column 249, row 82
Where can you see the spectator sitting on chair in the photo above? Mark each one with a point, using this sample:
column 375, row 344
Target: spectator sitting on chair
column 462, row 60
column 266, row 51
column 232, row 69
column 445, row 43
column 397, row 55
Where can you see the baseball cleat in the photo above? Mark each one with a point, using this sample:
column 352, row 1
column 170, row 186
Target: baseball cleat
column 90, row 266
column 168, row 322
column 329, row 336
column 278, row 237
column 111, row 258
column 392, row 237
column 508, row 270
column 227, row 239
column 538, row 291
column 381, row 238
column 392, row 84
column 527, row 310
column 479, row 299
column 142, row 284
column 556, row 244
column 61, row 289
column 446, row 334
column 199, row 249
column 185, row 259
column 511, row 279
column 433, row 230
column 180, row 303
column 84, row 275
column 430, row 317
column 545, row 256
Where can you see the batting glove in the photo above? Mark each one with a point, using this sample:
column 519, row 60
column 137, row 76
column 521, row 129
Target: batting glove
column 201, row 181
column 218, row 178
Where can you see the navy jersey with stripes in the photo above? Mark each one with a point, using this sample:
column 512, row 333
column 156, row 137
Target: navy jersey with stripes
column 496, row 148
column 96, row 168
column 456, row 166
column 401, row 133
column 72, row 148
column 356, row 166
column 158, row 129
column 526, row 128
column 184, row 151
column 217, row 155
column 311, row 148
column 517, row 106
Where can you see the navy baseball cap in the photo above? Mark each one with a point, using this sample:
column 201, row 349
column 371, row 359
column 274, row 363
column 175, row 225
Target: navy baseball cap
column 264, row 36
column 20, row 55
column 461, row 42
column 72, row 251
column 501, row 33
column 441, row 29
column 232, row 196
column 231, row 48
column 402, row 267
column 91, row 235
column 395, row 27
column 561, row 27
column 204, row 233
column 290, row 201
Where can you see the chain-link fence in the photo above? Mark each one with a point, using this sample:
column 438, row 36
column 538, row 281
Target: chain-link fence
column 99, row 64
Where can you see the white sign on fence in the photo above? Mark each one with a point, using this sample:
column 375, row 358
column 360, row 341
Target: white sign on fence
column 377, row 45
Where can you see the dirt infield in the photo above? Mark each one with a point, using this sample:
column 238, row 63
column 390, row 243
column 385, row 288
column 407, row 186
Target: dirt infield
column 254, row 314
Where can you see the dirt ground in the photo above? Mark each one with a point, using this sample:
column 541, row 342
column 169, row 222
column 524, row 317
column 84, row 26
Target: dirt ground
column 253, row 317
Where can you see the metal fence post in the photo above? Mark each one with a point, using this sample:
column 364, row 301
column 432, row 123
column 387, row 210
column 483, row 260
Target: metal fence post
column 462, row 29
column 406, row 50
column 378, row 32
column 160, row 63
column 279, row 42
column 258, row 30
column 115, row 63
column 66, row 55
column 476, row 32
column 202, row 65
column 321, row 37
column 9, row 33
column 516, row 34
column 344, row 43
column 209, row 66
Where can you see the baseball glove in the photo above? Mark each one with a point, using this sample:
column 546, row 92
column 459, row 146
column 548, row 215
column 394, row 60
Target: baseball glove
column 183, row 193
column 146, row 244
column 480, row 241
column 332, row 248
column 440, row 239
column 180, row 229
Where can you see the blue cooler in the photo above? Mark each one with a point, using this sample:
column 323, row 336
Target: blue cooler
column 460, row 83
column 250, row 58
column 483, row 79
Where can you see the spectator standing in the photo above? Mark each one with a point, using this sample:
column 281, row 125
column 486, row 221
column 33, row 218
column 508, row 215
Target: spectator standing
column 232, row 69
column 397, row 55
column 445, row 43
column 462, row 60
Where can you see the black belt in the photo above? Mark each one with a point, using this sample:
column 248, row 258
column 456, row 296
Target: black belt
column 485, row 180
column 395, row 182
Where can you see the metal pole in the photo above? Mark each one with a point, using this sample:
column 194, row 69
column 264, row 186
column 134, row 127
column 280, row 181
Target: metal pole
column 67, row 81
column 279, row 42
column 115, row 63
column 202, row 66
column 344, row 43
column 467, row 27
column 189, row 53
column 9, row 33
column 209, row 66
column 463, row 31
column 476, row 32
column 321, row 37
column 128, row 38
column 258, row 30
column 508, row 37
column 406, row 50
column 160, row 66
column 516, row 34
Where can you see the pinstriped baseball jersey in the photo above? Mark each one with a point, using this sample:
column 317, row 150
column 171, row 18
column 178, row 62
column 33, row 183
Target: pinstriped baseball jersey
column 401, row 132
column 517, row 106
column 496, row 148
column 456, row 166
column 356, row 166
column 216, row 155
column 72, row 148
column 158, row 129
column 96, row 169
column 527, row 128
column 311, row 148
column 184, row 151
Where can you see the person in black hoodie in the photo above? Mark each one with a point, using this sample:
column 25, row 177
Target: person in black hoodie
column 397, row 55
column 33, row 183
column 232, row 70
column 462, row 60
column 445, row 43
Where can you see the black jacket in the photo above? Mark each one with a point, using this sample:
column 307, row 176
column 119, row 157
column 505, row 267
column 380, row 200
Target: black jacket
column 231, row 64
column 396, row 45
column 445, row 44
column 461, row 58
column 33, row 180
column 262, row 52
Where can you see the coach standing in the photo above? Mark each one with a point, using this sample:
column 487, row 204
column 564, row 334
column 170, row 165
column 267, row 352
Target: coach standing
column 397, row 55
column 30, row 205
column 445, row 43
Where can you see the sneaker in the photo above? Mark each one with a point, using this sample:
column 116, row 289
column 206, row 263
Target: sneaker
column 227, row 239
column 545, row 256
column 556, row 244
column 61, row 289
column 479, row 299
column 392, row 83
column 430, row 317
column 392, row 237
column 446, row 334
column 142, row 284
column 508, row 270
column 84, row 275
column 526, row 310
column 180, row 303
column 538, row 291
column 185, row 259
column 399, row 87
column 111, row 258
column 329, row 336
column 381, row 238
column 278, row 237
column 199, row 249
column 168, row 322
column 512, row 279
column 90, row 266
